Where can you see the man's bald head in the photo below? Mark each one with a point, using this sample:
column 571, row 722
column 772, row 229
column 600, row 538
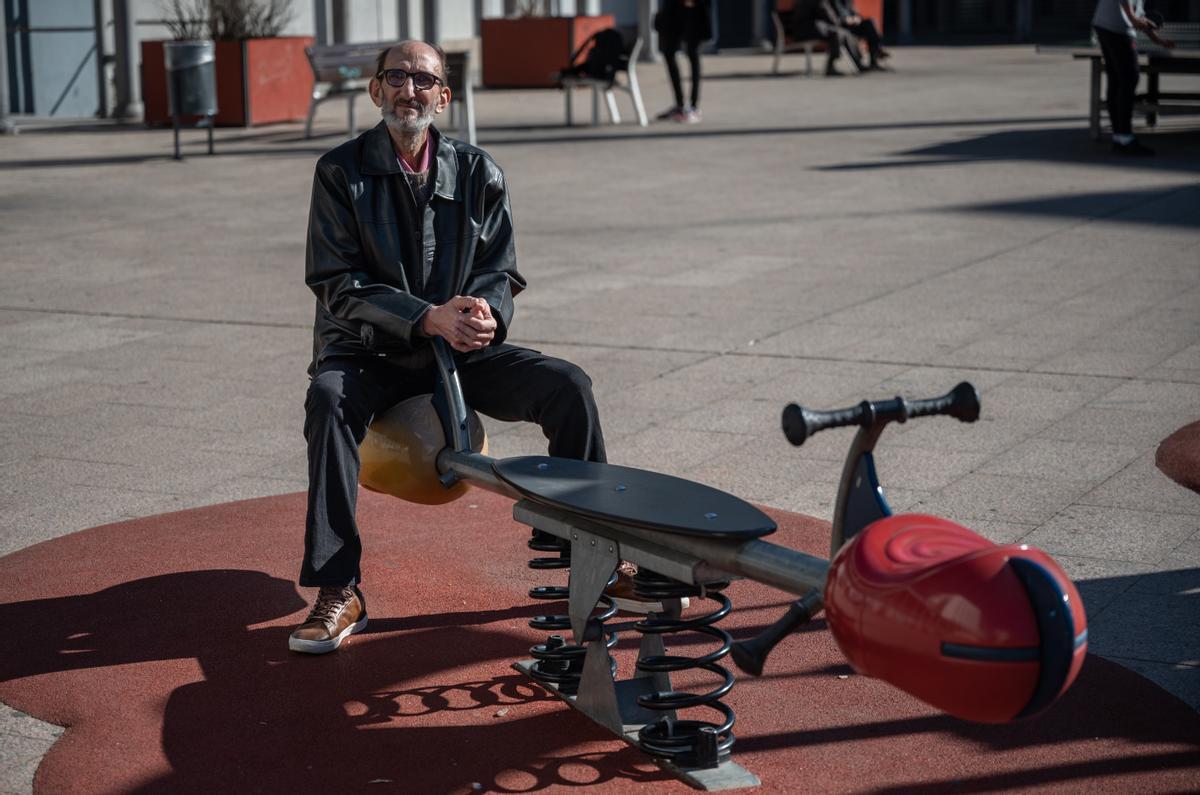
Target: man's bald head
column 414, row 49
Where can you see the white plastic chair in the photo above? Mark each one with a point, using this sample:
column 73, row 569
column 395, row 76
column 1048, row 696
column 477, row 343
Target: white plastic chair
column 600, row 86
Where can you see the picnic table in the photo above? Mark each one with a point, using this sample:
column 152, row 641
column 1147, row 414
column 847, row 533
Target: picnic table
column 1154, row 61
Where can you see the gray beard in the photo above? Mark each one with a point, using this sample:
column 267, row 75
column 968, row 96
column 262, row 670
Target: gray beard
column 407, row 125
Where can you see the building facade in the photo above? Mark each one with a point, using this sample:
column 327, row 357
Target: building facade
column 79, row 58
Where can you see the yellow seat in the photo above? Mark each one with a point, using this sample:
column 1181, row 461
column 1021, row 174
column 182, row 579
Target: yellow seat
column 399, row 453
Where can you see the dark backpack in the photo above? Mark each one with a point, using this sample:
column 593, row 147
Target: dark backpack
column 606, row 57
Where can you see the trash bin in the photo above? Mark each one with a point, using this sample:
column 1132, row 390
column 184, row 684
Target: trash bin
column 191, row 77
column 191, row 83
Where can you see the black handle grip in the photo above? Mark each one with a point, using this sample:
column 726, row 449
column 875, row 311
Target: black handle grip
column 799, row 423
column 962, row 403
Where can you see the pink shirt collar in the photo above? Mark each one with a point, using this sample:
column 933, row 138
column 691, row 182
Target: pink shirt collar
column 423, row 160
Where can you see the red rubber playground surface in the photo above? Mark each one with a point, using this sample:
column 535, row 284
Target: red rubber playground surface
column 161, row 644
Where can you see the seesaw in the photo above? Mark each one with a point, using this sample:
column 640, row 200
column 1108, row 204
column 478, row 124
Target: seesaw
column 984, row 632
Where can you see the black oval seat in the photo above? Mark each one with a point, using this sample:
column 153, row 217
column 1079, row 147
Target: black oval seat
column 634, row 497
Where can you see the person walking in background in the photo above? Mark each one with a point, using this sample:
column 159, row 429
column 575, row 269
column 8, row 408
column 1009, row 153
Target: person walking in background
column 1116, row 23
column 685, row 23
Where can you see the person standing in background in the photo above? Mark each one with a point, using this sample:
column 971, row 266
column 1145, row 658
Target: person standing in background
column 683, row 23
column 1116, row 23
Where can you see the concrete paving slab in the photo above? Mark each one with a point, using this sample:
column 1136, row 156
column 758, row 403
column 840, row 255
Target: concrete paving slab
column 1183, row 366
column 1114, row 533
column 923, row 469
column 34, row 379
column 1160, row 398
column 1003, row 497
column 813, row 499
column 1047, row 398
column 1010, row 351
column 668, row 449
column 1057, row 460
column 32, row 518
column 985, row 435
column 1117, row 364
column 25, row 741
column 1185, row 555
column 931, row 381
column 1002, row 532
column 1140, row 486
column 788, row 380
column 1117, row 426
column 754, row 470
column 1101, row 582
column 737, row 414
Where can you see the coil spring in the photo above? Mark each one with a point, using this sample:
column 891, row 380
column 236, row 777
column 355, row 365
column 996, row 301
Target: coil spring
column 687, row 743
column 542, row 541
column 557, row 662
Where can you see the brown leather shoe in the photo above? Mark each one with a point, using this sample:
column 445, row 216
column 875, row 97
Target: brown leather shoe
column 338, row 614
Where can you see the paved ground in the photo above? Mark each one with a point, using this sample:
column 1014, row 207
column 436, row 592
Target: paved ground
column 813, row 240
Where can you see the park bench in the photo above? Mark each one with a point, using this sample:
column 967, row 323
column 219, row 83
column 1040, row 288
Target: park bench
column 784, row 44
column 343, row 70
column 1184, row 59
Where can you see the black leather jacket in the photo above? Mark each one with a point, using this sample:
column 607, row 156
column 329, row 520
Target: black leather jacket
column 376, row 263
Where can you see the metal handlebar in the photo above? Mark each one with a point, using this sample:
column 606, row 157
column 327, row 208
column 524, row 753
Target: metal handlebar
column 799, row 423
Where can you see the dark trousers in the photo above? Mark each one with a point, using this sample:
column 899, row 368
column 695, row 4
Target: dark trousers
column 866, row 31
column 513, row 384
column 836, row 39
column 1121, row 67
column 669, row 47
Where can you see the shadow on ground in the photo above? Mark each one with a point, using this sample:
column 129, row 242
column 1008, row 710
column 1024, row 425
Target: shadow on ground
column 1176, row 151
column 194, row 663
column 1167, row 206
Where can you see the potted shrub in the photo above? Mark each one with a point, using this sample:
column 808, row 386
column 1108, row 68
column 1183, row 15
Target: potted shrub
column 261, row 77
column 528, row 50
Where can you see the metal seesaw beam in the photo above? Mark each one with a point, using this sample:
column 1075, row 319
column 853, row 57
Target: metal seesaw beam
column 710, row 559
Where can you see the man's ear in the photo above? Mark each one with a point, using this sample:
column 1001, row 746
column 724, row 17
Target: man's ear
column 375, row 89
column 443, row 99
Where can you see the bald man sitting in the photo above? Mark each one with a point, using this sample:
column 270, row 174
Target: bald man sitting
column 410, row 237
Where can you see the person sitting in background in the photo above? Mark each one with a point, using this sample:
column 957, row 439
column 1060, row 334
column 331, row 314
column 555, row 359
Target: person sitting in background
column 864, row 29
column 818, row 19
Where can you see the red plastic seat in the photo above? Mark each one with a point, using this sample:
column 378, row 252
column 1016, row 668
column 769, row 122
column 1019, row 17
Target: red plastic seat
column 984, row 632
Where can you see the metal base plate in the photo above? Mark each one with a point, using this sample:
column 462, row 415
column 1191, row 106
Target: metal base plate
column 727, row 775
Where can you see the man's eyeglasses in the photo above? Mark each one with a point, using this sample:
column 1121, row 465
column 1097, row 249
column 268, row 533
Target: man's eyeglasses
column 422, row 81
